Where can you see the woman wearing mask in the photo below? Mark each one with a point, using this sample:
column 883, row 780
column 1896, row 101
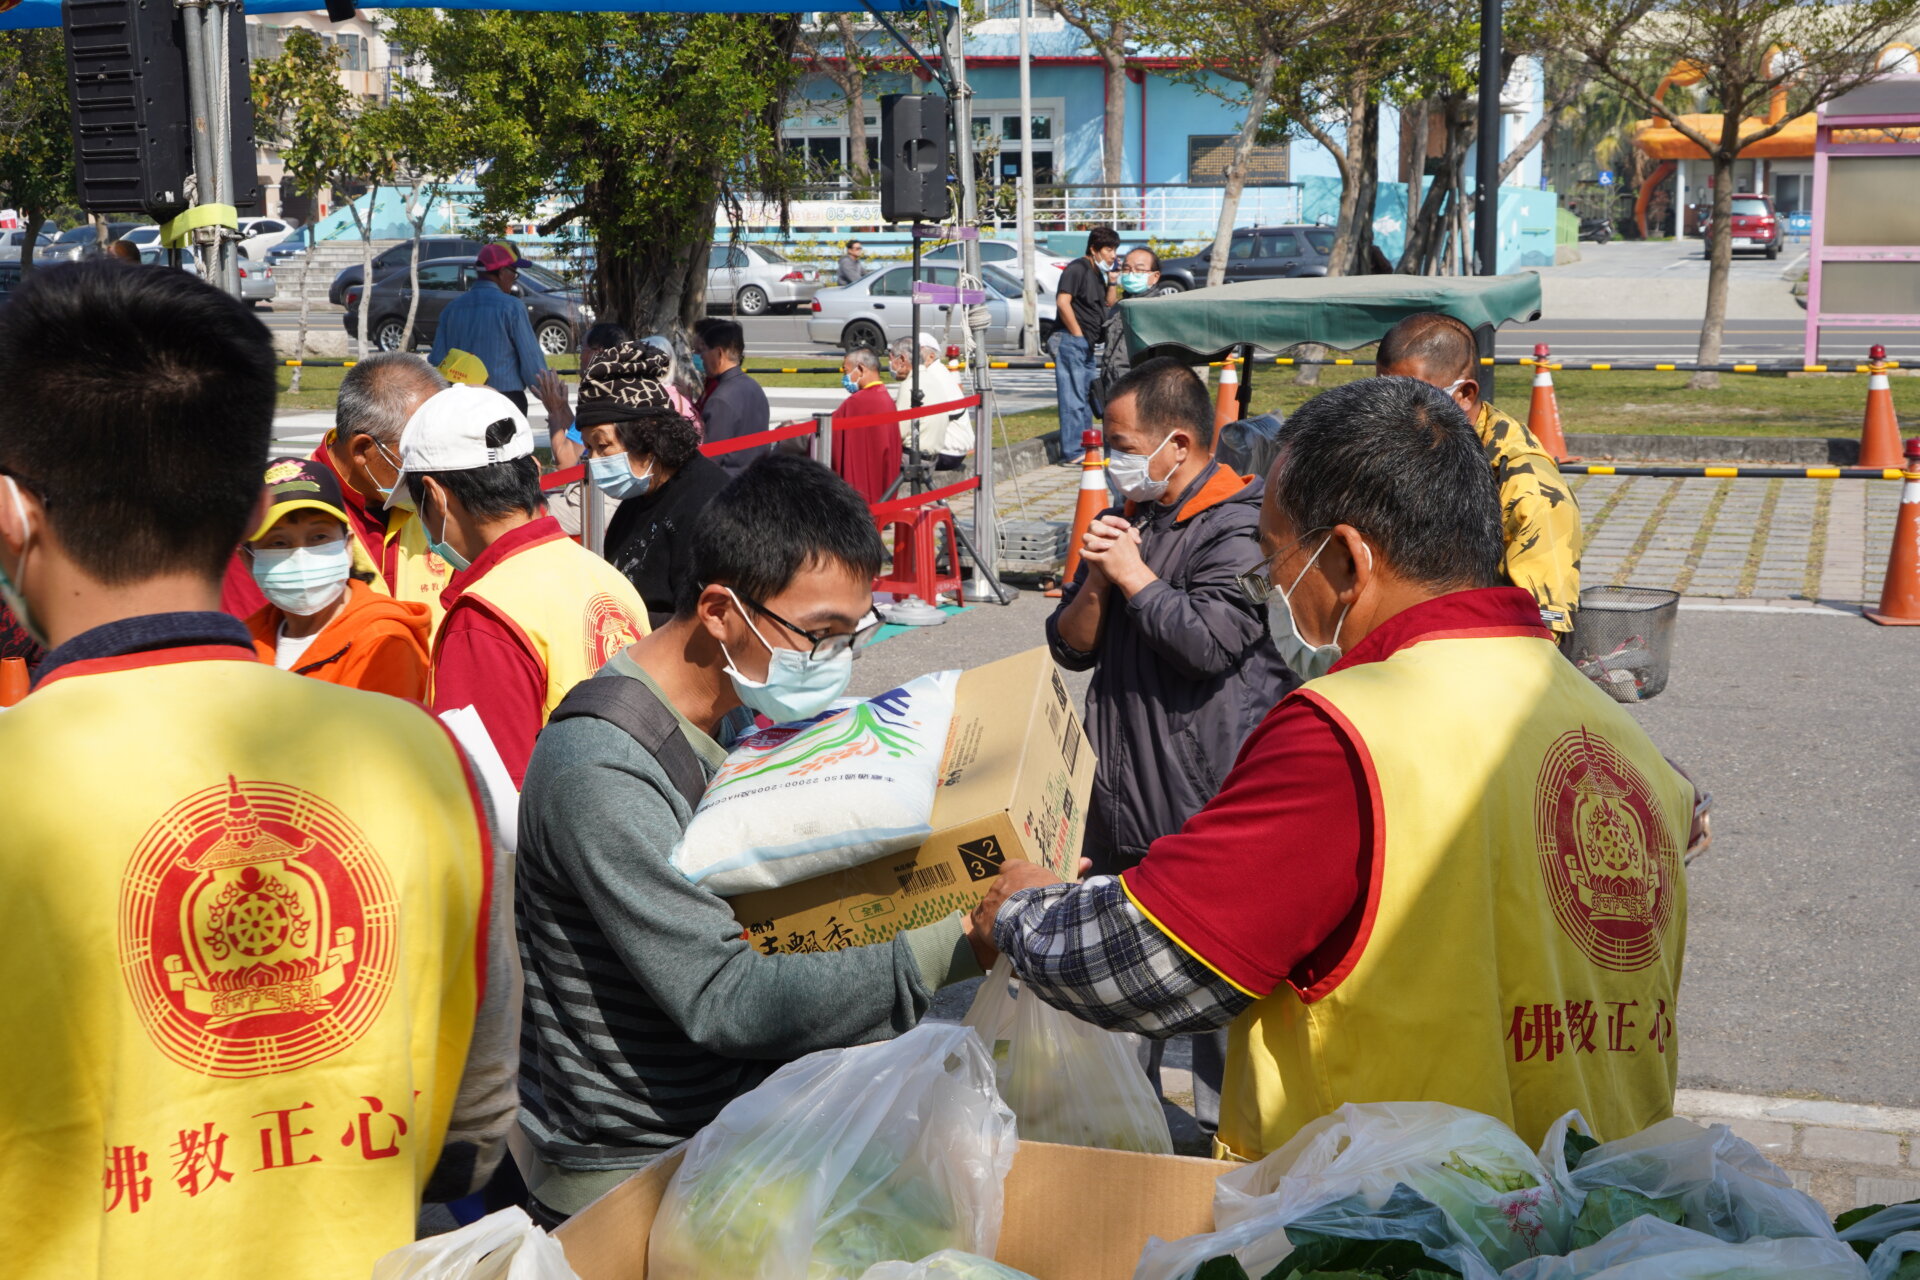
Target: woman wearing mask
column 321, row 618
column 644, row 453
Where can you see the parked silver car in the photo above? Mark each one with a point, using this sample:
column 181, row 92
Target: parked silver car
column 753, row 279
column 14, row 243
column 879, row 309
column 74, row 243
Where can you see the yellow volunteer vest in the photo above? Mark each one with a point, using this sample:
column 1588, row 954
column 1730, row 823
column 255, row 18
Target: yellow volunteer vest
column 418, row 573
column 240, row 912
column 1528, row 914
column 571, row 609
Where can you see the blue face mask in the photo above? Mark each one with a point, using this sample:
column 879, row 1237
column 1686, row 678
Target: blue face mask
column 454, row 559
column 846, row 380
column 699, row 364
column 614, row 477
column 797, row 686
column 1133, row 281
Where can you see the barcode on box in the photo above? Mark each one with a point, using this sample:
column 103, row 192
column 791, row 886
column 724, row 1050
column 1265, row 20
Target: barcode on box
column 1070, row 744
column 937, row 876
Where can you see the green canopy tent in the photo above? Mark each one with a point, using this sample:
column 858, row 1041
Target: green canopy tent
column 1343, row 312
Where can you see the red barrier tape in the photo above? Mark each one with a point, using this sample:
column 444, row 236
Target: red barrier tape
column 561, row 479
column 903, row 415
column 931, row 496
column 758, row 438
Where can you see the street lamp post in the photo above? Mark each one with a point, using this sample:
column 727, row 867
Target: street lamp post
column 1486, row 194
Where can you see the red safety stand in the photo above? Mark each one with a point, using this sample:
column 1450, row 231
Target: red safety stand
column 916, row 555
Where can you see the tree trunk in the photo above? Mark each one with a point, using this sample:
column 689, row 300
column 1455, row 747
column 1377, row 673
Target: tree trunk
column 1259, row 91
column 1523, row 148
column 1428, row 227
column 1719, row 262
column 416, row 219
column 855, row 87
column 365, row 227
column 1366, row 172
column 648, row 284
column 31, row 221
column 1113, row 142
column 1346, row 158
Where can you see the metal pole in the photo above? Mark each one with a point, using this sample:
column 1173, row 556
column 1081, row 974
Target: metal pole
column 985, row 583
column 1029, row 299
column 593, row 518
column 823, row 437
column 1486, row 193
column 916, row 397
column 226, row 264
column 193, row 15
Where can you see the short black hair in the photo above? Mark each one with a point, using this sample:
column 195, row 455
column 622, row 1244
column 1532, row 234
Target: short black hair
column 1396, row 459
column 783, row 514
column 1153, row 258
column 1102, row 238
column 723, row 335
column 603, row 335
column 1166, row 397
column 854, row 244
column 492, row 492
column 1436, row 342
column 668, row 438
column 138, row 406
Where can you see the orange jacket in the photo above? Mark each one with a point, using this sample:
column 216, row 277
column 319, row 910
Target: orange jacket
column 375, row 643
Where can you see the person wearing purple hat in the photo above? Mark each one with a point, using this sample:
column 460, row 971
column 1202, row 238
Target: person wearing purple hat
column 491, row 322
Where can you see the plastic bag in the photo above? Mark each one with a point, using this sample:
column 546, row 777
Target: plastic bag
column 1250, row 445
column 948, row 1264
column 501, row 1246
column 843, row 1159
column 1649, row 1249
column 1067, row 1081
column 1886, row 1237
column 1262, row 1241
column 1501, row 1198
column 1722, row 1185
column 799, row 800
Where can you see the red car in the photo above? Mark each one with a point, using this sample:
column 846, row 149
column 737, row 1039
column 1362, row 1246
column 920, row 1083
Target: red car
column 1755, row 226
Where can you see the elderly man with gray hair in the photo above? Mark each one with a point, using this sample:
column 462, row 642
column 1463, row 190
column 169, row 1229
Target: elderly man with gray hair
column 866, row 457
column 377, row 397
column 947, row 438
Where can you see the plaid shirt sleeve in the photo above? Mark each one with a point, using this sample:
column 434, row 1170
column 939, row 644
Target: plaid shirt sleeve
column 1087, row 949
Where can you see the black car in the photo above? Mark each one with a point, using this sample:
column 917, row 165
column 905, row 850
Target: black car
column 388, row 259
column 559, row 314
column 1255, row 253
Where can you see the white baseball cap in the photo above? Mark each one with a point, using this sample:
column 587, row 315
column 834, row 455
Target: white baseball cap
column 449, row 433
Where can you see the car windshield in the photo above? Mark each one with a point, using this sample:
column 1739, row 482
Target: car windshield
column 543, row 279
column 1749, row 208
column 1321, row 238
column 1001, row 281
column 73, row 234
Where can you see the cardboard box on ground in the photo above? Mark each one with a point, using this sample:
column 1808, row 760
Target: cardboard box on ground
column 1014, row 783
column 1119, row 1200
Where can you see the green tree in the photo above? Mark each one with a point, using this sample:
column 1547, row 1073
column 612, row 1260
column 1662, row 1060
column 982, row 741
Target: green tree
column 652, row 124
column 1740, row 53
column 303, row 111
column 1108, row 26
column 36, row 129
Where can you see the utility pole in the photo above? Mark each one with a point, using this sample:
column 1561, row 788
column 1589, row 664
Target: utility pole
column 1486, row 193
column 1029, row 291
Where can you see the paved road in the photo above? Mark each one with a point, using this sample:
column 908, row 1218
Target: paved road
column 1802, row 956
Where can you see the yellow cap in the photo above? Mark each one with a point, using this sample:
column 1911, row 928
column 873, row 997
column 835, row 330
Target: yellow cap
column 464, row 367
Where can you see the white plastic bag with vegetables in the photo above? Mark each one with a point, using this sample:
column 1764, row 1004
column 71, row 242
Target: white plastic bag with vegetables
column 1647, row 1248
column 1501, row 1198
column 1067, row 1081
column 840, row 1160
column 948, row 1264
column 1702, row 1178
column 501, row 1246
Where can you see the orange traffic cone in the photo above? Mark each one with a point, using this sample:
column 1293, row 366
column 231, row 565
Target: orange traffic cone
column 1900, row 594
column 1094, row 499
column 1543, row 415
column 1880, row 432
column 1227, row 407
column 13, row 681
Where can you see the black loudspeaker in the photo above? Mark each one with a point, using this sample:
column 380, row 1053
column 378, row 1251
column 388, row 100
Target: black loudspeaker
column 132, row 132
column 913, row 158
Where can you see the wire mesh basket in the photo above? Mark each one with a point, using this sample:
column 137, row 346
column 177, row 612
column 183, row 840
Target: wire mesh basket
column 1622, row 639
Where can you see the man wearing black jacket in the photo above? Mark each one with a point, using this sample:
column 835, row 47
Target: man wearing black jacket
column 1182, row 666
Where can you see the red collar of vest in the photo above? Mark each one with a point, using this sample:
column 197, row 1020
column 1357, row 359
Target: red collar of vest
column 148, row 658
column 534, row 533
column 1459, row 615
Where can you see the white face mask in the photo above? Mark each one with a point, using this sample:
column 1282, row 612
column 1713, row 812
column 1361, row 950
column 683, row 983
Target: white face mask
column 303, row 580
column 797, row 687
column 1308, row 661
column 1131, row 475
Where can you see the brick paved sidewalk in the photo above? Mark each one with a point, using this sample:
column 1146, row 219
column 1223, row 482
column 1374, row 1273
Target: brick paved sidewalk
column 1781, row 542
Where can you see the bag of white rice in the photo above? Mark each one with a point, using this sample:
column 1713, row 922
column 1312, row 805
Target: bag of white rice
column 797, row 801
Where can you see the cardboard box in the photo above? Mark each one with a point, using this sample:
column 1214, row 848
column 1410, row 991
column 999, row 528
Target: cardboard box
column 1014, row 783
column 1072, row 1213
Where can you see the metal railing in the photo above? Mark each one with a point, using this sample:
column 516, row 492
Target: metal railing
column 1168, row 210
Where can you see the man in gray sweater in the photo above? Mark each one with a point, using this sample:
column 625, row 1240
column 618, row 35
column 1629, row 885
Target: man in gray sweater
column 646, row 1011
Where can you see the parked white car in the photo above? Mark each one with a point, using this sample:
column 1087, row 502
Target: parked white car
column 752, row 279
column 1005, row 254
column 257, row 235
column 879, row 309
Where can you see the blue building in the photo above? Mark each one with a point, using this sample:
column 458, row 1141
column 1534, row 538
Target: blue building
column 1177, row 141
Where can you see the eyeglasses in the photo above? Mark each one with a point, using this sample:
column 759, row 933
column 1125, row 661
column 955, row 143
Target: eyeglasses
column 825, row 644
column 1257, row 584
